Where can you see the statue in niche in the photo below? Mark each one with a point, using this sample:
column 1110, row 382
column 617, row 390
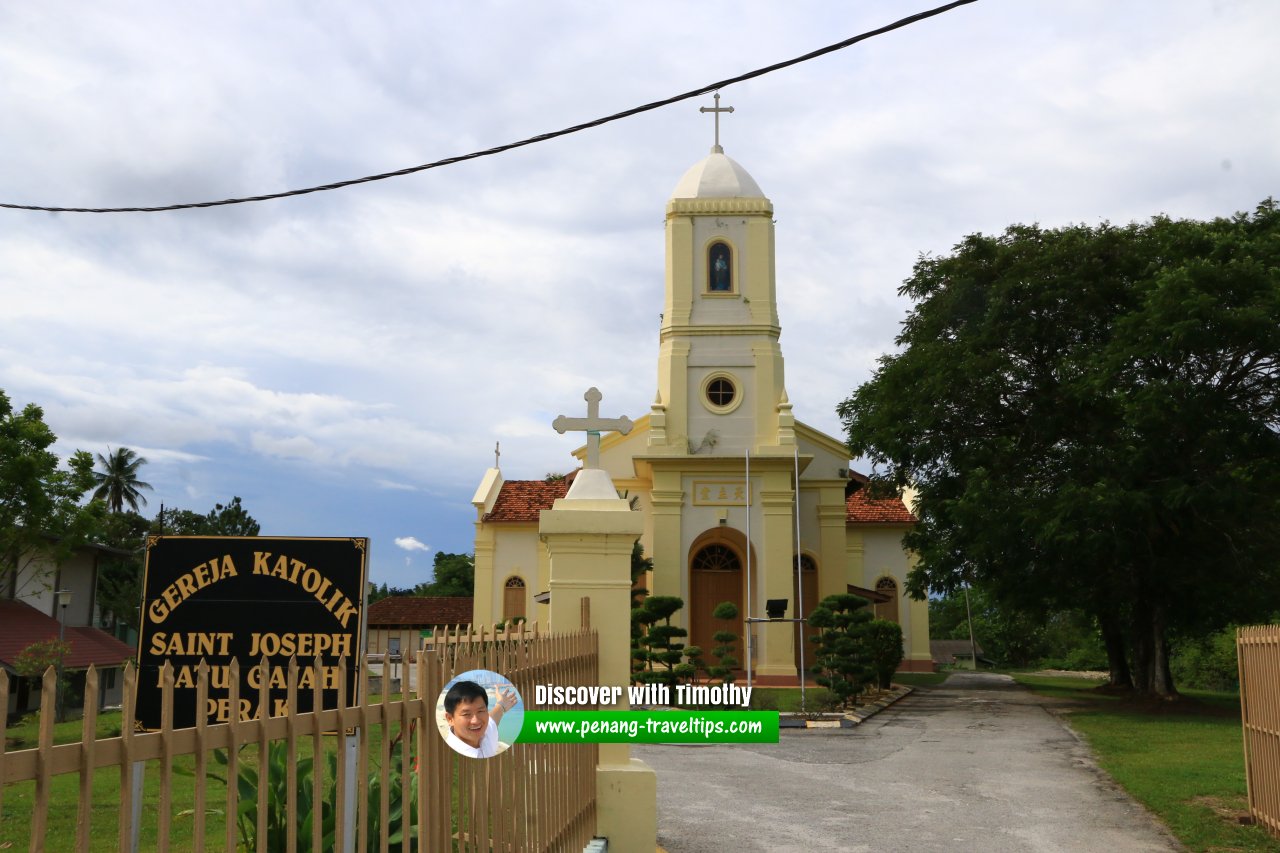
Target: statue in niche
column 720, row 278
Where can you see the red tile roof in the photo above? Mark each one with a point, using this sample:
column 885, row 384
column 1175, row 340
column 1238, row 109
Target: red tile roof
column 417, row 610
column 872, row 595
column 860, row 509
column 21, row 625
column 521, row 500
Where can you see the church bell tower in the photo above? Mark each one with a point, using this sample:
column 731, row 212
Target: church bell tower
column 720, row 376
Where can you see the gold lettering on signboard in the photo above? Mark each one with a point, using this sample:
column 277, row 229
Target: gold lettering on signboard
column 310, row 579
column 189, row 584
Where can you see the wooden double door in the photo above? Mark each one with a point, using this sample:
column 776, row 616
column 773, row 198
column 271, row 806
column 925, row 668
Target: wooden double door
column 716, row 574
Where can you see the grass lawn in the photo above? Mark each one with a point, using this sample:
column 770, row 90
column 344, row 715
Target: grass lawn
column 1185, row 763
column 15, row 823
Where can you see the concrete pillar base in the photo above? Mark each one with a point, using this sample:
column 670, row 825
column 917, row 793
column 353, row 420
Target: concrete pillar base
column 625, row 794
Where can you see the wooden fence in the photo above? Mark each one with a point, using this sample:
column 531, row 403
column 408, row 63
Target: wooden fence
column 1258, row 652
column 293, row 777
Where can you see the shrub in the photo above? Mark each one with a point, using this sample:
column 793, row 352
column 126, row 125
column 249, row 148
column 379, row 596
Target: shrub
column 726, row 662
column 32, row 661
column 277, row 801
column 1207, row 663
column 659, row 657
column 843, row 664
column 884, row 646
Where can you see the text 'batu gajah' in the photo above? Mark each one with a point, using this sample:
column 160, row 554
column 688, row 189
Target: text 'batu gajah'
column 184, row 677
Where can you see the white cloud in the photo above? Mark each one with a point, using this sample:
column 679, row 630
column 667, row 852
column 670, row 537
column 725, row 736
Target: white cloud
column 346, row 349
column 409, row 543
column 394, row 486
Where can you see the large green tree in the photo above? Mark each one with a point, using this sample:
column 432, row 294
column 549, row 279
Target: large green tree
column 120, row 574
column 120, row 571
column 40, row 513
column 453, row 574
column 229, row 519
column 116, row 479
column 1090, row 418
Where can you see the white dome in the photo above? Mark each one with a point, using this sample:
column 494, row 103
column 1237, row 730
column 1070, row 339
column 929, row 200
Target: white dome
column 717, row 177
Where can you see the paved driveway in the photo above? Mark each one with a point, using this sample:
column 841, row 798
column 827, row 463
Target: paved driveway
column 976, row 764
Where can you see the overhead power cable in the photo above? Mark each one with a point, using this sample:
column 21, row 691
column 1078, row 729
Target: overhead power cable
column 543, row 137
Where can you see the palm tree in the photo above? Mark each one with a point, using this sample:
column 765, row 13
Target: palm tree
column 117, row 482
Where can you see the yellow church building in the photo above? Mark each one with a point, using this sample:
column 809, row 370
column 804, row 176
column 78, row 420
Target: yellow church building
column 713, row 466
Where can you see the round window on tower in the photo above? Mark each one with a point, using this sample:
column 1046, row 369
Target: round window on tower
column 720, row 393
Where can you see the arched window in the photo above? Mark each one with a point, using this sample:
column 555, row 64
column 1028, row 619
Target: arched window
column 716, row 558
column 720, row 268
column 513, row 599
column 887, row 609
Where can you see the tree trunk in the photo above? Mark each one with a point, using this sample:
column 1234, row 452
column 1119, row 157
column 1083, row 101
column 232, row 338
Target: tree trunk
column 1161, row 676
column 1140, row 631
column 1117, row 659
column 1151, row 674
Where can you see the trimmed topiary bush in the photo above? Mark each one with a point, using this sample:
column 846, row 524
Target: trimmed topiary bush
column 843, row 664
column 884, row 645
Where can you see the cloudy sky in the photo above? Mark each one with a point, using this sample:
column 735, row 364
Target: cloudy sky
column 345, row 361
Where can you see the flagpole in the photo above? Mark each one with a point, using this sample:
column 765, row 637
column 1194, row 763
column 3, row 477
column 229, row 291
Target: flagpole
column 747, row 621
column 799, row 582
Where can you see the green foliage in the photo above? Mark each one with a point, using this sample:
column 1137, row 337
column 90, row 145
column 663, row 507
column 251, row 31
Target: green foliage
column 658, row 656
column 1020, row 638
column 32, row 661
column 308, row 811
column 723, row 651
column 120, row 574
column 947, row 617
column 884, row 648
column 843, row 664
column 230, row 519
column 35, row 660
column 40, row 512
column 452, row 575
column 1072, row 641
column 640, row 566
column 1208, row 662
column 1007, row 634
column 1088, row 415
column 117, row 483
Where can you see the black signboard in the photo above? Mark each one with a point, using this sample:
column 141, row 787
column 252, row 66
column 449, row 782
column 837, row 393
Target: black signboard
column 225, row 598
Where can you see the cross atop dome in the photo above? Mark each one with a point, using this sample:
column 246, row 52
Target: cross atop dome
column 716, row 110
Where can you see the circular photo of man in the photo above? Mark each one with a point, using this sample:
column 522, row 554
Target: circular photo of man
column 479, row 713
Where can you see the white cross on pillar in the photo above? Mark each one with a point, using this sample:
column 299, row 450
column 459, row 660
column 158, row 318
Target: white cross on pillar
column 592, row 424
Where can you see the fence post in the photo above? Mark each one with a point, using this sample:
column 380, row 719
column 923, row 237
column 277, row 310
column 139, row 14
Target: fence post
column 589, row 536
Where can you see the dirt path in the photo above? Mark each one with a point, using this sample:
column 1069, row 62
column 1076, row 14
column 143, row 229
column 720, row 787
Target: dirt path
column 976, row 764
